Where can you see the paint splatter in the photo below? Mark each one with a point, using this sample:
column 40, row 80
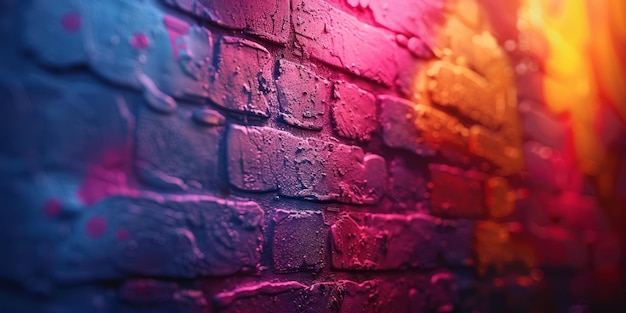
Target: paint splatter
column 122, row 234
column 140, row 41
column 96, row 227
column 71, row 22
column 52, row 207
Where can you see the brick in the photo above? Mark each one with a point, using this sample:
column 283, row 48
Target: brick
column 351, row 45
column 266, row 19
column 419, row 128
column 409, row 17
column 264, row 159
column 178, row 237
column 456, row 193
column 242, row 77
column 299, row 241
column 441, row 131
column 397, row 118
column 442, row 292
column 496, row 149
column 383, row 242
column 498, row 197
column 456, row 238
column 302, row 95
column 285, row 297
column 407, row 185
column 354, row 112
column 498, row 249
column 459, row 88
column 175, row 152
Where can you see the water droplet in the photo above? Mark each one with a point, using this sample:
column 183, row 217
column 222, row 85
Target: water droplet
column 96, row 227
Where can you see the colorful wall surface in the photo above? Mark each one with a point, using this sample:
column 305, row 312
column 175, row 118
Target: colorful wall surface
column 312, row 156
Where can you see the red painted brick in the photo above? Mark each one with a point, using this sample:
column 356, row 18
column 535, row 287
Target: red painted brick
column 303, row 96
column 456, row 193
column 353, row 111
column 266, row 19
column 351, row 45
column 242, row 77
column 286, row 297
column 383, row 242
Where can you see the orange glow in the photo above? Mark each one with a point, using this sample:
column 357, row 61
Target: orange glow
column 583, row 70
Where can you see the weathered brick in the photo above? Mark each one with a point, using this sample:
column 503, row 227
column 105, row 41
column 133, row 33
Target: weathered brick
column 299, row 241
column 265, row 159
column 466, row 91
column 496, row 247
column 407, row 185
column 285, row 297
column 242, row 77
column 456, row 193
column 498, row 197
column 491, row 146
column 302, row 95
column 416, row 18
column 266, row 19
column 178, row 237
column 419, row 128
column 176, row 152
column 352, row 45
column 353, row 111
column 383, row 242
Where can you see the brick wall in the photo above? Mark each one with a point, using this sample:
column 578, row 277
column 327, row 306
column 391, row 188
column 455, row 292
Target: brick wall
column 280, row 156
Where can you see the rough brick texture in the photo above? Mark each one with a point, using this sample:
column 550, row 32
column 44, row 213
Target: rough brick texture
column 289, row 156
column 265, row 159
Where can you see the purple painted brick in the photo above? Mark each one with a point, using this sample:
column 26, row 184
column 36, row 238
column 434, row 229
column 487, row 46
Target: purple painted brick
column 299, row 241
column 265, row 159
